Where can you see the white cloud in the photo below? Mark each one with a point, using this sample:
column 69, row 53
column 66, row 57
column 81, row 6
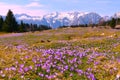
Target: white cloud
column 34, row 4
column 18, row 9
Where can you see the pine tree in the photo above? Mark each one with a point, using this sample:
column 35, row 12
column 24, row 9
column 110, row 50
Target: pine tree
column 22, row 27
column 113, row 23
column 10, row 24
column 1, row 23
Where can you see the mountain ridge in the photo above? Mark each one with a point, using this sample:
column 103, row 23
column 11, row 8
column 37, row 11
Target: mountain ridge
column 57, row 19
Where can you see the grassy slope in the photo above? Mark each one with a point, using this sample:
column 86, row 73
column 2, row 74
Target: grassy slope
column 105, row 41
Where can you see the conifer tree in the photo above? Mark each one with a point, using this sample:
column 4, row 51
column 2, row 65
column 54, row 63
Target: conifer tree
column 1, row 23
column 10, row 24
column 113, row 23
column 22, row 27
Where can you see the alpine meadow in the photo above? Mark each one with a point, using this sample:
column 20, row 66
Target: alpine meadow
column 54, row 41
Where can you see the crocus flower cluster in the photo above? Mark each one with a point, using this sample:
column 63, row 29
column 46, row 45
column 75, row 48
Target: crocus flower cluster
column 63, row 63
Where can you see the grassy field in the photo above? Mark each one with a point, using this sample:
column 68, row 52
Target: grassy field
column 61, row 54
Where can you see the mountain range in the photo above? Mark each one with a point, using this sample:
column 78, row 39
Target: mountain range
column 57, row 19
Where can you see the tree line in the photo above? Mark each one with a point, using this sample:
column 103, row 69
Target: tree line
column 111, row 23
column 9, row 24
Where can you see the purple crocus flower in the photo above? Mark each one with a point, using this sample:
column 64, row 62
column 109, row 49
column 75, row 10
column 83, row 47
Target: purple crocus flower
column 21, row 65
column 20, row 70
column 80, row 72
column 96, row 63
column 40, row 74
column 71, row 74
column 26, row 69
column 92, row 76
column 13, row 68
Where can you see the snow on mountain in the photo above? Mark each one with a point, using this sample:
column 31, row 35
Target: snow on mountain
column 117, row 15
column 61, row 19
column 27, row 17
column 24, row 17
column 106, row 18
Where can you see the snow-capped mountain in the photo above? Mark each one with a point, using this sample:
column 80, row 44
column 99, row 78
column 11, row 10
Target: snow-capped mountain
column 59, row 19
column 117, row 15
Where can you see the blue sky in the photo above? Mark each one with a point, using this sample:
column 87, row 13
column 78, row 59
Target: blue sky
column 41, row 7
